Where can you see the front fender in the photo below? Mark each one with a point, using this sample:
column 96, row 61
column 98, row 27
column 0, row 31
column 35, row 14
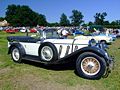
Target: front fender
column 94, row 49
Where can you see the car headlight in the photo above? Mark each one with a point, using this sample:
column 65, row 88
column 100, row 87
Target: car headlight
column 103, row 46
column 92, row 42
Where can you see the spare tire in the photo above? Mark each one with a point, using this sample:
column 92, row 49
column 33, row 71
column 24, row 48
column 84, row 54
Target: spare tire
column 48, row 52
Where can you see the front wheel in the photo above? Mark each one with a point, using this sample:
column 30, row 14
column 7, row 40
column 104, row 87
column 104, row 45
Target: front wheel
column 90, row 65
column 15, row 54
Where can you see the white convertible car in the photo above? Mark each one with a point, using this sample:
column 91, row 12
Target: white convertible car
column 99, row 38
column 91, row 58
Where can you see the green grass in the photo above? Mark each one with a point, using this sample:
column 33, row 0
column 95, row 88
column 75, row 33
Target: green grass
column 26, row 76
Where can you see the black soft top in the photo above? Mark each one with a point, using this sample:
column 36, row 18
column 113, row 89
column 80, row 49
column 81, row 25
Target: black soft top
column 21, row 39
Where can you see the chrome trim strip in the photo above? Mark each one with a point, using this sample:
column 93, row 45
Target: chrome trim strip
column 70, row 44
column 76, row 48
column 67, row 50
column 60, row 51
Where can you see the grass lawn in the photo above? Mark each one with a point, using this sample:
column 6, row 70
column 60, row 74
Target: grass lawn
column 35, row 76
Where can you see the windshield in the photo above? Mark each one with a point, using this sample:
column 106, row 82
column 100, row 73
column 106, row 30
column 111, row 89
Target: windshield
column 49, row 33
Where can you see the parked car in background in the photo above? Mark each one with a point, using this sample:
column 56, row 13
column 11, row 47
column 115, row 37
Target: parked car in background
column 11, row 30
column 91, row 59
column 1, row 28
column 33, row 30
column 99, row 38
column 118, row 34
column 23, row 29
column 109, row 35
column 78, row 32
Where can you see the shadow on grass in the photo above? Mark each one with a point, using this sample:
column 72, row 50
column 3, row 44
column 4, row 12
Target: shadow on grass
column 56, row 67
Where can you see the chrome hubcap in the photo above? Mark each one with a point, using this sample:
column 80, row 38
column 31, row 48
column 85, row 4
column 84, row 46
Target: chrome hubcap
column 46, row 53
column 90, row 66
column 15, row 54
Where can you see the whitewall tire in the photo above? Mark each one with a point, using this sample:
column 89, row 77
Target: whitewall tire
column 48, row 52
column 16, row 54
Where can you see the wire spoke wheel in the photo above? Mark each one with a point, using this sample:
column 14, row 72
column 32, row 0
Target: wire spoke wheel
column 90, row 66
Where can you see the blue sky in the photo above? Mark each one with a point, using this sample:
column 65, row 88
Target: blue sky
column 53, row 9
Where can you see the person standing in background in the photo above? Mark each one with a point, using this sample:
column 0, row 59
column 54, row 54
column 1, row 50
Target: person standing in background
column 65, row 33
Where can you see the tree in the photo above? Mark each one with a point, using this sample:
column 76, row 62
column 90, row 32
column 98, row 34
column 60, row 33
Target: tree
column 99, row 18
column 90, row 23
column 42, row 20
column 18, row 15
column 117, row 22
column 106, row 23
column 76, row 18
column 2, row 19
column 113, row 23
column 53, row 24
column 64, row 21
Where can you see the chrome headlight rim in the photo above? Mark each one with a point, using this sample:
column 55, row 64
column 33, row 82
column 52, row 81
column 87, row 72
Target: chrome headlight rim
column 92, row 42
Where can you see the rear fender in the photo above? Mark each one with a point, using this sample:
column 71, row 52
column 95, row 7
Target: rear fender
column 18, row 45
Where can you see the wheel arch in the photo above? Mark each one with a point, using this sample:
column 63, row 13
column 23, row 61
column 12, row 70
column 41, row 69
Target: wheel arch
column 103, row 41
column 93, row 49
column 18, row 45
column 53, row 47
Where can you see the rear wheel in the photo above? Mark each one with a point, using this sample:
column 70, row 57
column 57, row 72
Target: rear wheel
column 16, row 54
column 90, row 65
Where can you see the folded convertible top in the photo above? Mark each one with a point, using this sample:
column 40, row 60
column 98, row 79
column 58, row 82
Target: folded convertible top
column 21, row 39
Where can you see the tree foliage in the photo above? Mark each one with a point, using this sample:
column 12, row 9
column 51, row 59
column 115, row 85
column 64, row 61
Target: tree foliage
column 64, row 21
column 99, row 18
column 53, row 24
column 76, row 18
column 2, row 19
column 90, row 23
column 106, row 23
column 18, row 15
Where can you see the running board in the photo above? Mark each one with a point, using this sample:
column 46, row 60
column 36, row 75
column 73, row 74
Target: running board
column 37, row 59
column 32, row 58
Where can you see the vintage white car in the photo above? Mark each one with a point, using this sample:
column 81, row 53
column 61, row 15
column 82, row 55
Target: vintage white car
column 99, row 38
column 91, row 58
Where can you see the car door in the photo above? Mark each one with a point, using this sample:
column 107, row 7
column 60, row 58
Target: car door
column 31, row 48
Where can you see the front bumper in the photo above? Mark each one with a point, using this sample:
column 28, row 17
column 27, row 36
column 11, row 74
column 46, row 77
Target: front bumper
column 111, row 63
column 110, row 66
